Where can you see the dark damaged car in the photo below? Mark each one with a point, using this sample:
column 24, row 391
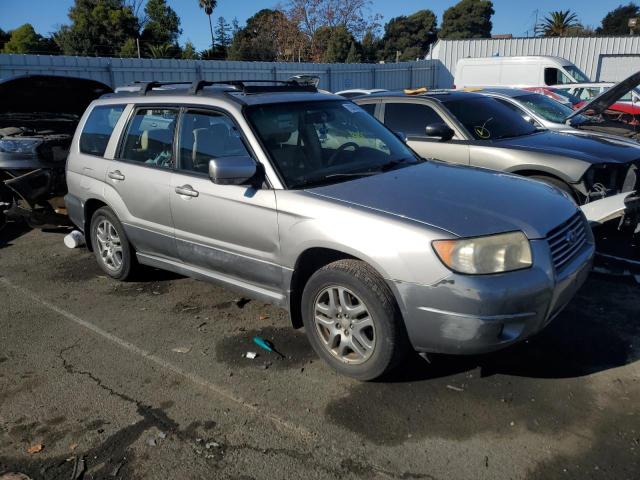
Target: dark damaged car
column 38, row 116
column 473, row 129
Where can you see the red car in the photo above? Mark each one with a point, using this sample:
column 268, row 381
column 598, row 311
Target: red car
column 618, row 111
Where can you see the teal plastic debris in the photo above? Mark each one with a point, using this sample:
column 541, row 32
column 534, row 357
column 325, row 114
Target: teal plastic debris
column 266, row 345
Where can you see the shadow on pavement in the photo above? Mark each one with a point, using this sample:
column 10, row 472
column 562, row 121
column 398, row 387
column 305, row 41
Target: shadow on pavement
column 11, row 231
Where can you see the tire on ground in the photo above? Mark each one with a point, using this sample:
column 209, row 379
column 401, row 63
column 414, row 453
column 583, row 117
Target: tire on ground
column 555, row 182
column 129, row 261
column 391, row 341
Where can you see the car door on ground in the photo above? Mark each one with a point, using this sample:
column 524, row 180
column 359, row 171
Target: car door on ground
column 228, row 229
column 411, row 119
column 141, row 176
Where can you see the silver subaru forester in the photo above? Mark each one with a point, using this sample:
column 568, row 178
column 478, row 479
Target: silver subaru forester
column 302, row 199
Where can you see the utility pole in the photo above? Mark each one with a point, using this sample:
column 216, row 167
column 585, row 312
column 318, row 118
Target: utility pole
column 535, row 22
column 138, row 45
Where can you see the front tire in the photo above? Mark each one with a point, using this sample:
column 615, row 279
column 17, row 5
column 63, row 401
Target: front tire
column 352, row 320
column 559, row 184
column 111, row 246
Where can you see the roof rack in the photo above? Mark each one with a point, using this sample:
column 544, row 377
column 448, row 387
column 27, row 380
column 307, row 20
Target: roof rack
column 245, row 86
column 255, row 86
column 146, row 87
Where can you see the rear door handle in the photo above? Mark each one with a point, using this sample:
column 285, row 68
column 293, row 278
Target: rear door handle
column 187, row 190
column 116, row 175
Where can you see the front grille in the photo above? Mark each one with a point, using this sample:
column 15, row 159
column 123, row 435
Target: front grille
column 566, row 240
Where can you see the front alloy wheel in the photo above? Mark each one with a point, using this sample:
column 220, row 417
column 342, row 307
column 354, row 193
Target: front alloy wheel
column 352, row 319
column 344, row 325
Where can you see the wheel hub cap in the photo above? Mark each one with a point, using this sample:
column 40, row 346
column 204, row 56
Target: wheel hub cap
column 344, row 325
column 108, row 244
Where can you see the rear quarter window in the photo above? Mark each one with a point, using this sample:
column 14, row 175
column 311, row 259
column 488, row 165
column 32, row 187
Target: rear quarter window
column 98, row 129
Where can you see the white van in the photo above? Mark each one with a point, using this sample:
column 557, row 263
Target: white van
column 530, row 71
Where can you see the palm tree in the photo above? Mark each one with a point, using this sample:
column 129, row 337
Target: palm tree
column 558, row 24
column 208, row 6
column 160, row 51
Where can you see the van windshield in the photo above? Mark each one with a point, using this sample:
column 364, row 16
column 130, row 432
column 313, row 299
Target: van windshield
column 577, row 74
column 323, row 142
column 487, row 119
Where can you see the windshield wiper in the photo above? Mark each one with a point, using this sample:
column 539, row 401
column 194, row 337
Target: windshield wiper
column 326, row 179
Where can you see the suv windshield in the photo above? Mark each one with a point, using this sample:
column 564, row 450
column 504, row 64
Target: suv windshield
column 547, row 108
column 315, row 143
column 488, row 119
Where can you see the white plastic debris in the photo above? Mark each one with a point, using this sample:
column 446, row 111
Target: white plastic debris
column 181, row 349
column 74, row 239
column 251, row 355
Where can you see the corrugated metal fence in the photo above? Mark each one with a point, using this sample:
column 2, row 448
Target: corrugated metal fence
column 600, row 58
column 120, row 71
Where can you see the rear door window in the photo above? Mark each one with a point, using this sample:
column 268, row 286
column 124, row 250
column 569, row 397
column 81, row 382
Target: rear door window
column 98, row 128
column 149, row 138
column 410, row 118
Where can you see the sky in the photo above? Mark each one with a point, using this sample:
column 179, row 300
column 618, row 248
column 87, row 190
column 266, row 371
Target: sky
column 512, row 16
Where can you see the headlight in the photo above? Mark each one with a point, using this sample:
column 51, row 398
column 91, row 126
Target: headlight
column 494, row 254
column 20, row 145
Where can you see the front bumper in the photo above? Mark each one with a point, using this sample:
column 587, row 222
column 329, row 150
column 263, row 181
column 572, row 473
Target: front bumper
column 465, row 314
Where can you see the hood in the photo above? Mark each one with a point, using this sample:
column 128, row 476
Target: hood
column 607, row 98
column 592, row 149
column 461, row 200
column 48, row 93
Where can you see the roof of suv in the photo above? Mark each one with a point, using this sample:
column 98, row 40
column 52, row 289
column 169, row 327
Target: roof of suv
column 236, row 91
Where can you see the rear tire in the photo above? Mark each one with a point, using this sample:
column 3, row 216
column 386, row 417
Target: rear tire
column 112, row 249
column 352, row 320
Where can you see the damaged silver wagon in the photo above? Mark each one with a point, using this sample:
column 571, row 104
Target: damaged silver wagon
column 303, row 200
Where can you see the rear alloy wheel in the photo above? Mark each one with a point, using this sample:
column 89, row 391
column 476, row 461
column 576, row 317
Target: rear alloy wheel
column 352, row 320
column 110, row 244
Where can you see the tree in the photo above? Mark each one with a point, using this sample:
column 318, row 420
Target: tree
column 161, row 24
column 370, row 46
column 311, row 15
column 616, row 22
column 208, row 6
column 189, row 52
column 467, row 19
column 411, row 36
column 4, row 38
column 98, row 27
column 223, row 39
column 353, row 56
column 558, row 24
column 161, row 51
column 268, row 36
column 129, row 49
column 24, row 39
column 338, row 44
column 235, row 27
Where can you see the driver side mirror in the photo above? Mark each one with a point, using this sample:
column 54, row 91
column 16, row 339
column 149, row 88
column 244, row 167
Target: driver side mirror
column 234, row 170
column 439, row 130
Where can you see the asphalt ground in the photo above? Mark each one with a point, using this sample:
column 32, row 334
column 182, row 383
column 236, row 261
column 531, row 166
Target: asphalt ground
column 147, row 379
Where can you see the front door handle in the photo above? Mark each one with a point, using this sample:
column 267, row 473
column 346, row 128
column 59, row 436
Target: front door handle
column 116, row 175
column 187, row 190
